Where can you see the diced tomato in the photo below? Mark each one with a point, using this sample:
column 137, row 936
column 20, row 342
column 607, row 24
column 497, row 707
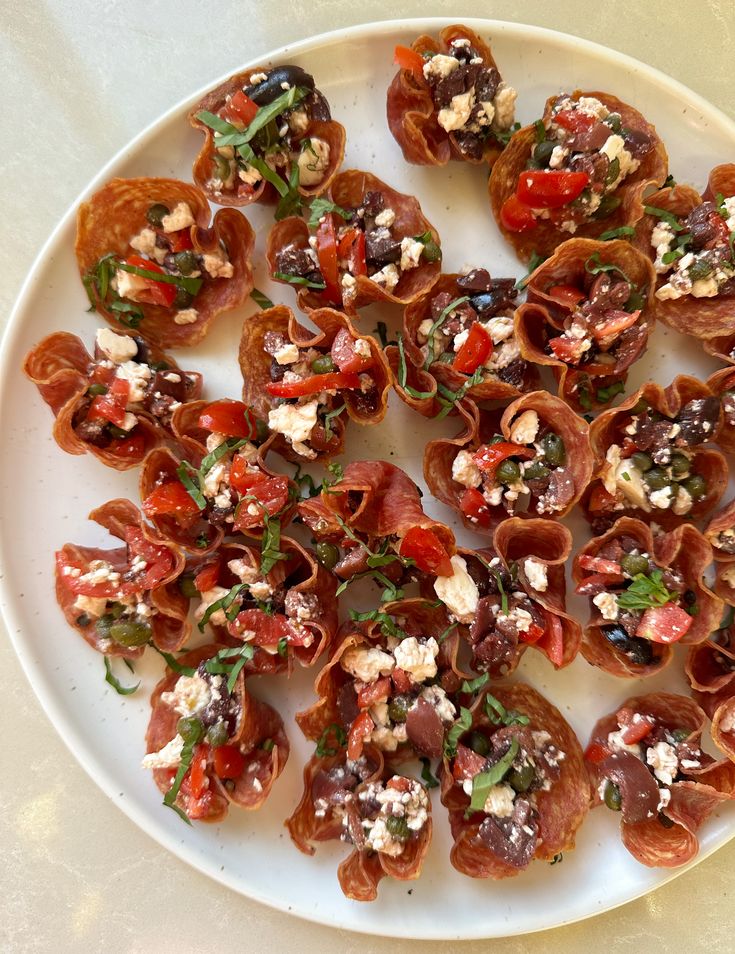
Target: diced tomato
column 231, row 418
column 566, row 294
column 159, row 560
column 352, row 249
column 664, row 624
column 180, row 241
column 591, row 583
column 207, row 577
column 75, row 583
column 477, row 348
column 170, row 498
column 239, row 109
column 344, row 353
column 198, row 781
column 517, row 217
column 568, row 350
column 326, row 250
column 377, row 691
column 600, row 500
column 575, row 120
column 617, row 322
column 332, row 381
column 401, row 680
column 155, row 293
column 102, row 375
column 410, row 60
column 360, row 731
column 112, row 406
column 552, row 641
column 532, row 635
column 474, row 506
column 197, row 808
column 637, row 730
column 596, row 753
column 489, row 456
column 589, row 562
column 427, row 551
column 269, row 630
column 400, row 783
column 229, row 762
column 467, row 763
column 271, row 494
column 129, row 447
column 549, row 188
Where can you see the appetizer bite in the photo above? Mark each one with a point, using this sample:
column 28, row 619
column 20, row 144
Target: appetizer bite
column 210, row 743
column 366, row 242
column 722, row 384
column 571, row 171
column 514, row 782
column 459, row 341
column 588, row 317
column 646, row 592
column 720, row 534
column 222, row 485
column 507, row 599
column 448, row 100
column 121, row 600
column 150, row 260
column 689, row 239
column 268, row 133
column 649, row 458
column 710, row 668
column 116, row 404
column 385, row 817
column 309, row 385
column 645, row 762
column 533, row 460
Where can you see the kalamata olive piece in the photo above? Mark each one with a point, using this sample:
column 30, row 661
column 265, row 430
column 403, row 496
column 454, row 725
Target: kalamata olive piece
column 270, row 89
column 639, row 651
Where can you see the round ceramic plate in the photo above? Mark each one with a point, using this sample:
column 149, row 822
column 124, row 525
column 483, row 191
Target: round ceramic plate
column 45, row 496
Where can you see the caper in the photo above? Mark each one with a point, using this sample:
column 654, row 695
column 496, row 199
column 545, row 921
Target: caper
column 186, row 262
column 217, row 734
column 190, row 729
column 679, row 464
column 183, row 298
column 657, row 479
column 554, row 450
column 607, row 206
column 130, row 632
column 83, row 620
column 534, row 163
column 156, row 213
column 542, row 151
column 614, row 121
column 398, row 708
column 612, row 796
column 117, row 432
column 536, row 470
column 398, row 827
column 496, row 439
column 679, row 735
column 696, row 485
column 642, row 462
column 665, row 820
column 432, row 252
column 96, row 389
column 186, row 586
column 221, row 167
column 520, row 779
column 323, row 364
column 261, row 431
column 633, row 564
column 478, row 743
column 508, row 472
column 327, row 554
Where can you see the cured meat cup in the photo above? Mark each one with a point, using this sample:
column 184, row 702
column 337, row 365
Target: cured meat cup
column 710, row 668
column 150, row 260
column 572, row 172
column 120, row 600
column 117, row 404
column 364, row 242
column 448, row 100
column 645, row 762
column 722, row 384
column 210, row 743
column 646, row 592
column 268, row 136
column 588, row 316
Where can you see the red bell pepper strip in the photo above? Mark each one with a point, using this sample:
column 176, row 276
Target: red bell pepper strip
column 552, row 641
column 180, row 241
column 326, row 250
column 568, row 350
column 574, row 120
column 596, row 753
column 239, row 108
column 477, row 348
column 474, row 506
column 598, row 565
column 332, row 381
column 207, row 578
column 352, row 248
column 229, row 762
column 401, row 680
column 566, row 294
column 427, row 551
column 489, row 456
column 467, row 763
column 377, row 691
column 550, row 188
column 360, row 731
column 617, row 321
column 271, row 494
column 515, row 216
column 198, row 781
column 127, row 447
column 154, row 293
column 231, row 418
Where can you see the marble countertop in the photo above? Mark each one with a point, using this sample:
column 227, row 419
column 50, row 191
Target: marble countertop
column 80, row 79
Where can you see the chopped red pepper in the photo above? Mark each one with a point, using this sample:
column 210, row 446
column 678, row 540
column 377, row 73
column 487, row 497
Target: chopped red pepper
column 552, row 642
column 332, row 381
column 664, row 624
column 127, row 447
column 154, row 293
column 550, row 188
column 532, row 635
column 467, row 763
column 575, row 120
column 112, row 406
column 180, row 241
column 600, row 500
column 596, row 753
column 489, row 456
column 198, row 781
column 239, row 109
column 477, row 348
column 410, row 60
column 231, row 418
column 637, row 730
column 568, row 350
column 269, row 630
column 566, row 294
column 401, row 680
column 598, row 565
column 206, row 579
column 326, row 250
column 617, row 321
column 352, row 248
column 170, row 498
column 271, row 494
column 590, row 585
column 474, row 506
column 229, row 762
column 427, row 551
column 345, row 355
column 360, row 731
column 377, row 691
column 515, row 216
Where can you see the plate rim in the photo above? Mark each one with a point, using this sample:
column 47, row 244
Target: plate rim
column 74, row 742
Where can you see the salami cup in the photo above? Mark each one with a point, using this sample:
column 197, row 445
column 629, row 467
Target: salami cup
column 645, row 762
column 309, row 384
column 116, row 405
column 514, row 784
column 120, row 600
column 420, row 98
column 646, row 592
column 149, row 258
column 603, row 150
column 210, row 743
column 710, row 668
column 588, row 316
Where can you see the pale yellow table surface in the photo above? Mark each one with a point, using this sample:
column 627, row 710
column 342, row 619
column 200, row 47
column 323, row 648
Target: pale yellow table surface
column 79, row 78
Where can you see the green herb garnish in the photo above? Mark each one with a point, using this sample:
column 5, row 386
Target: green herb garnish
column 453, row 736
column 387, row 625
column 112, row 679
column 437, row 324
column 428, row 779
column 623, row 231
column 224, row 603
column 172, row 664
column 499, row 715
column 190, row 285
column 533, row 263
column 261, row 300
column 645, row 592
column 665, row 216
column 403, row 375
column 597, row 266
column 298, row 280
column 484, row 781
column 169, row 799
column 228, row 135
column 321, row 207
column 340, row 738
column 329, row 417
column 219, row 664
column 472, row 685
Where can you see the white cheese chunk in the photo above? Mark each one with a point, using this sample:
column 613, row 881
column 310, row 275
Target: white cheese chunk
column 180, row 218
column 458, row 592
column 294, row 421
column 662, row 758
column 525, row 428
column 536, row 574
column 367, row 664
column 313, row 162
column 117, row 348
column 465, row 471
column 418, row 659
column 607, row 604
column 190, row 695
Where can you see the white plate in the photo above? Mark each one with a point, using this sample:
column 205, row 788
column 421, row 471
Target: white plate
column 45, row 496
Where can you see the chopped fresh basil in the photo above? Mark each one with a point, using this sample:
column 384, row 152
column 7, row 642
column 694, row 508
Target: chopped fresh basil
column 269, row 552
column 388, row 627
column 190, row 285
column 403, row 375
column 665, row 216
column 339, row 736
column 320, row 208
column 169, row 799
column 190, row 479
column 604, row 395
column 381, row 332
column 623, row 231
column 428, row 779
column 172, row 664
column 329, row 417
column 501, row 590
column 291, row 202
column 645, row 592
column 533, row 263
column 261, row 300
column 451, row 740
column 443, row 635
column 267, row 745
column 594, row 266
column 437, row 324
column 112, row 679
column 305, row 482
column 432, row 252
column 226, row 134
column 224, row 604
column 298, row 280
column 447, row 398
column 472, row 685
column 504, row 136
column 499, row 715
column 484, row 781
column 202, row 541
column 219, row 664
column 539, row 130
column 282, row 646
